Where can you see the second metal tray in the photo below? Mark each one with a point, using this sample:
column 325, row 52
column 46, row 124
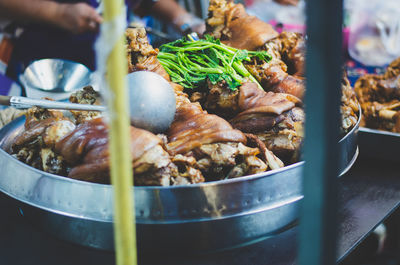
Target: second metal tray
column 379, row 144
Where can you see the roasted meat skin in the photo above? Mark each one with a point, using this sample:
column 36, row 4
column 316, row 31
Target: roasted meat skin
column 379, row 97
column 86, row 149
column 290, row 48
column 85, row 96
column 208, row 142
column 349, row 107
column 217, row 149
column 273, row 77
column 195, row 137
column 251, row 97
column 220, row 100
column 284, row 73
column 275, row 118
column 230, row 23
column 42, row 130
column 194, row 127
column 286, row 137
column 141, row 55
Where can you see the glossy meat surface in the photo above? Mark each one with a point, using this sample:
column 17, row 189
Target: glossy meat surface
column 230, row 23
column 379, row 96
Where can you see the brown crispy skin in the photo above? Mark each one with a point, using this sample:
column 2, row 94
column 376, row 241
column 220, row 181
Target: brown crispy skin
column 252, row 99
column 141, row 55
column 193, row 127
column 271, row 117
column 261, row 110
column 230, row 23
column 273, row 77
column 379, row 96
column 87, row 148
column 256, row 31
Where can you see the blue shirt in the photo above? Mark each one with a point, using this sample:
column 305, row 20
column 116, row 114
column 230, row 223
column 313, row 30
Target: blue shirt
column 40, row 41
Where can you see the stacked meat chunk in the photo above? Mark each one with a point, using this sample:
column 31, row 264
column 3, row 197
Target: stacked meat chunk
column 216, row 134
column 78, row 148
column 35, row 145
column 379, row 96
column 207, row 141
column 283, row 74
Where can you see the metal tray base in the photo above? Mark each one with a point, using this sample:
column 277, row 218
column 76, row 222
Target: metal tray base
column 379, row 144
column 194, row 218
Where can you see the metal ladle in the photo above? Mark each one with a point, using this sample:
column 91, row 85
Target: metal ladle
column 151, row 98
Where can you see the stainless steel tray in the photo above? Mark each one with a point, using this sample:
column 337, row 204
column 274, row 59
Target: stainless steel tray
column 200, row 217
column 379, row 144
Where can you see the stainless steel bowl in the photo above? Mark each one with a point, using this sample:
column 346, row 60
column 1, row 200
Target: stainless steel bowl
column 56, row 78
column 200, row 217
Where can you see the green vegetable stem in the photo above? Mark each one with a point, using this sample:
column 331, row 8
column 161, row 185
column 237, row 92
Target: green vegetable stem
column 190, row 63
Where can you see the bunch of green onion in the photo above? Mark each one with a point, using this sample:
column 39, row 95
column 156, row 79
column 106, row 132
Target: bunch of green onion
column 190, row 63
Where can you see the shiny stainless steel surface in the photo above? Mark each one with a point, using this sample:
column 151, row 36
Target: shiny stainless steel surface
column 152, row 101
column 200, row 217
column 56, row 77
column 348, row 148
column 379, row 144
column 25, row 103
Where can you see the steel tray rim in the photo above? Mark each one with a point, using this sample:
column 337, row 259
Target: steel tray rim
column 376, row 131
column 195, row 185
column 355, row 128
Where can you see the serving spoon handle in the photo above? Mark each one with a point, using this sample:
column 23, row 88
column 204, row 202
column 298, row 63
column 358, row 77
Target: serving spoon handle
column 25, row 103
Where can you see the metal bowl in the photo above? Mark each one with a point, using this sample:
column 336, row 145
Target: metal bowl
column 56, row 78
column 199, row 217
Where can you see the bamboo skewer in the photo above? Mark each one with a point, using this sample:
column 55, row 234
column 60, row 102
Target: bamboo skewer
column 120, row 157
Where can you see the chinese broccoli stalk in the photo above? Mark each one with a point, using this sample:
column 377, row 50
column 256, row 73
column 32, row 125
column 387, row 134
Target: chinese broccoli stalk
column 190, row 63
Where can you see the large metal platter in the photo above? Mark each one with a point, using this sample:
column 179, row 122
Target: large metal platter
column 200, row 217
column 379, row 144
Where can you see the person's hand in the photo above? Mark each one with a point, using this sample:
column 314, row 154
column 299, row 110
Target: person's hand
column 199, row 27
column 187, row 23
column 78, row 18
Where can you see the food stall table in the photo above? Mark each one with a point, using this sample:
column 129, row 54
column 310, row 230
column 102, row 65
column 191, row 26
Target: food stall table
column 368, row 194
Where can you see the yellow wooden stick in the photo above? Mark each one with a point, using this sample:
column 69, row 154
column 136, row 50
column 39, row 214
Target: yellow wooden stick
column 120, row 157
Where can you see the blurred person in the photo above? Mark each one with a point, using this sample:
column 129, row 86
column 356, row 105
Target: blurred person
column 67, row 29
column 73, row 17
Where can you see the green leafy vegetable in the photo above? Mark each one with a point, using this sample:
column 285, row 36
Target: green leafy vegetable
column 190, row 63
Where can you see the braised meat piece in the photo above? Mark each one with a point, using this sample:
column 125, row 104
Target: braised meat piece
column 379, row 96
column 273, row 76
column 86, row 150
column 290, row 48
column 193, row 127
column 219, row 99
column 9, row 114
column 141, row 55
column 231, row 24
column 85, row 96
column 349, row 107
column 275, row 118
column 217, row 149
column 34, row 146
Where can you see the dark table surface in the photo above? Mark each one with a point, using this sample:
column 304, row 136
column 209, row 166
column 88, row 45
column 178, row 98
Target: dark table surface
column 367, row 195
